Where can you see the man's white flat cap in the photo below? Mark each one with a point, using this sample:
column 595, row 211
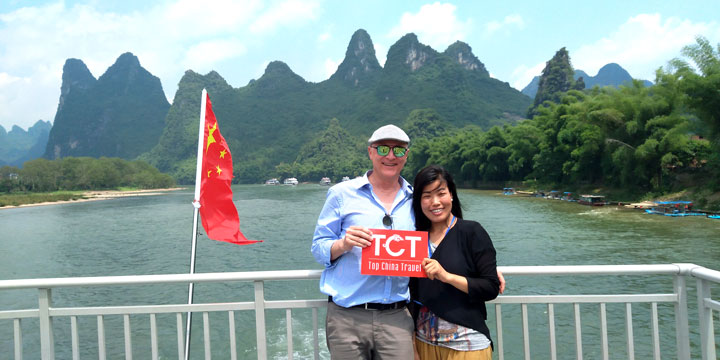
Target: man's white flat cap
column 389, row 132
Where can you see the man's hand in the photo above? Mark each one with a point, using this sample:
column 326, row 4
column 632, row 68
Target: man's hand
column 356, row 236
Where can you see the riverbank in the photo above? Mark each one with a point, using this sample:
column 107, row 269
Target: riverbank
column 11, row 201
column 703, row 199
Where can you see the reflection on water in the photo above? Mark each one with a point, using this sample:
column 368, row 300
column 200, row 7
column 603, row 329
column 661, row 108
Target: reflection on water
column 151, row 235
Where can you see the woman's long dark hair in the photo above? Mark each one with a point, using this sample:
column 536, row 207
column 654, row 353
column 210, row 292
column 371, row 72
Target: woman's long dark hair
column 425, row 177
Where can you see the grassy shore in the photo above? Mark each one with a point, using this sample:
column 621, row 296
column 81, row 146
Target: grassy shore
column 58, row 197
column 17, row 199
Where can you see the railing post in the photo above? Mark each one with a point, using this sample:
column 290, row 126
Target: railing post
column 260, row 320
column 18, row 339
column 47, row 342
column 682, row 331
column 707, row 330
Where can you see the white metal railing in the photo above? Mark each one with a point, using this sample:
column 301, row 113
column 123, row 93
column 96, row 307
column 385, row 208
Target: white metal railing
column 46, row 312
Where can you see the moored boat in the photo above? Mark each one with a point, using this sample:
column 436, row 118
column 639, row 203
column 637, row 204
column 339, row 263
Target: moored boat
column 553, row 194
column 642, row 205
column 290, row 181
column 272, row 181
column 508, row 191
column 345, row 178
column 325, row 181
column 673, row 208
column 592, row 200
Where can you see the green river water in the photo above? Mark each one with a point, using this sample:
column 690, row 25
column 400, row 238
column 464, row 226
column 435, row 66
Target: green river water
column 151, row 235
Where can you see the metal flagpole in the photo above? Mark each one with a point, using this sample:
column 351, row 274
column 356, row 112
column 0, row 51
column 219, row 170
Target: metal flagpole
column 196, row 205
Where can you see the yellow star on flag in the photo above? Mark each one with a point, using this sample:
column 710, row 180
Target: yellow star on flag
column 209, row 171
column 219, row 170
column 210, row 138
column 222, row 154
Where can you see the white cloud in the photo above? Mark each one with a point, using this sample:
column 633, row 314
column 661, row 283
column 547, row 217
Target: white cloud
column 25, row 100
column 202, row 56
column 435, row 25
column 642, row 44
column 330, row 67
column 198, row 18
column 7, row 79
column 510, row 21
column 289, row 12
column 324, row 37
column 168, row 38
column 522, row 75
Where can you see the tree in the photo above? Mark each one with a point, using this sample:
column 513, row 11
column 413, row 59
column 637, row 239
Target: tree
column 9, row 178
column 334, row 153
column 424, row 123
column 703, row 93
column 556, row 78
column 523, row 142
column 579, row 84
column 41, row 175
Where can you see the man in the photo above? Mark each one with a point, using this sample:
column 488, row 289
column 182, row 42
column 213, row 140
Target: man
column 366, row 316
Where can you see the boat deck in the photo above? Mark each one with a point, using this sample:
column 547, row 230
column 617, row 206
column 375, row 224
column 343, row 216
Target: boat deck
column 51, row 319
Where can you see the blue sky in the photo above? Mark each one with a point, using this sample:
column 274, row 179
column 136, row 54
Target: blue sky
column 239, row 38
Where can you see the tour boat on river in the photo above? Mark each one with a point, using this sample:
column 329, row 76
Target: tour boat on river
column 290, row 181
column 567, row 196
column 592, row 200
column 272, row 181
column 674, row 208
column 325, row 181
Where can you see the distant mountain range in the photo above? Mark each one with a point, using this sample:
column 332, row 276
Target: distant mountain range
column 268, row 121
column 609, row 75
column 125, row 114
column 18, row 145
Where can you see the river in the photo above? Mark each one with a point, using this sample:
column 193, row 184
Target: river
column 151, row 235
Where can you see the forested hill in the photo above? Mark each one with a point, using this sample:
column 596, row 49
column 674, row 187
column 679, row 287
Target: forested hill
column 18, row 145
column 267, row 122
column 121, row 114
column 609, row 75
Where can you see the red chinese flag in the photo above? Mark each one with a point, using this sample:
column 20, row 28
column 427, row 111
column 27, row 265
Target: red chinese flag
column 219, row 215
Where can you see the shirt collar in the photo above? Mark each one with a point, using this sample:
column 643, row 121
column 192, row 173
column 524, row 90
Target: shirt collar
column 364, row 181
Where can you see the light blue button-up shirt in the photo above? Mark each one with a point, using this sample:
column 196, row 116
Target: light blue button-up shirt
column 354, row 203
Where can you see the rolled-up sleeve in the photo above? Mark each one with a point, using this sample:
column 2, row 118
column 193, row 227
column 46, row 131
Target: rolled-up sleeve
column 328, row 229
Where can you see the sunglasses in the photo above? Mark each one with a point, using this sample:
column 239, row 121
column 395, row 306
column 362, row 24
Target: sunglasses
column 387, row 220
column 384, row 150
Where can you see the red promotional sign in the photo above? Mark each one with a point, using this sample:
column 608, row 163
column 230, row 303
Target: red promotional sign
column 395, row 253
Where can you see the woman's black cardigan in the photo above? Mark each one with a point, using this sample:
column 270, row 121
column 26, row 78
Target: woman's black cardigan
column 467, row 251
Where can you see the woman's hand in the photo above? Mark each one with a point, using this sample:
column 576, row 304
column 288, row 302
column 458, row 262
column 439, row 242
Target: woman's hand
column 502, row 281
column 434, row 270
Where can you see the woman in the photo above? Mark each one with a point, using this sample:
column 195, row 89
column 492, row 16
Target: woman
column 461, row 274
